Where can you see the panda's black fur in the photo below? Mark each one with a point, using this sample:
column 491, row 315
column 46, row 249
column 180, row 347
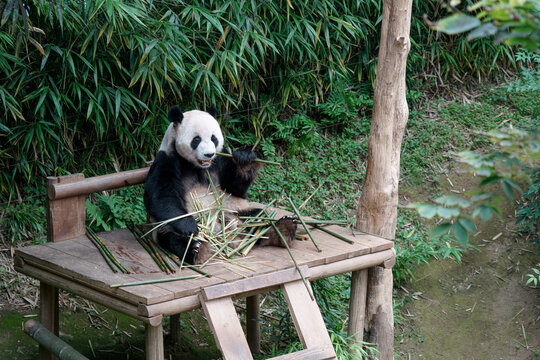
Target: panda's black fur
column 172, row 176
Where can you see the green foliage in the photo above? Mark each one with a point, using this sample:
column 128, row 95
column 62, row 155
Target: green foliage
column 519, row 149
column 511, row 22
column 528, row 212
column 21, row 221
column 528, row 80
column 534, row 277
column 414, row 247
column 95, row 79
column 117, row 210
column 87, row 87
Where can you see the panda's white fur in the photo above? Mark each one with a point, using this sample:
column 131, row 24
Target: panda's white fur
column 179, row 137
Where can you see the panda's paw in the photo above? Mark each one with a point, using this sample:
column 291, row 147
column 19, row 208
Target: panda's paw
column 287, row 227
column 243, row 156
column 201, row 252
column 185, row 227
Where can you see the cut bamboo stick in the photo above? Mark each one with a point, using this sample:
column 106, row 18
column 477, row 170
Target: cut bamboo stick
column 156, row 281
column 256, row 160
column 294, row 260
column 336, row 235
column 304, row 224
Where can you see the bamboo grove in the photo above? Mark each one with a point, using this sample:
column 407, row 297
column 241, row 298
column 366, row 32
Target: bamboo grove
column 84, row 85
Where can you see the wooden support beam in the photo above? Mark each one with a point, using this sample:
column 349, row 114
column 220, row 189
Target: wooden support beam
column 154, row 342
column 357, row 306
column 306, row 316
column 174, row 329
column 253, row 323
column 227, row 330
column 48, row 307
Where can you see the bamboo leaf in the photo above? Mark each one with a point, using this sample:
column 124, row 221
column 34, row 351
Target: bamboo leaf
column 457, row 23
column 461, row 234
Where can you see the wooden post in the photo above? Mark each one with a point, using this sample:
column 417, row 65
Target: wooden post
column 377, row 208
column 65, row 219
column 174, row 329
column 48, row 305
column 253, row 326
column 154, row 342
column 357, row 313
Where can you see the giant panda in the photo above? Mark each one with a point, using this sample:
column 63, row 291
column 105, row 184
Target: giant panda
column 188, row 153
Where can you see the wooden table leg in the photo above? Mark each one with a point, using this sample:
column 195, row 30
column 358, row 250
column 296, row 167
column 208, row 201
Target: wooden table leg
column 48, row 304
column 357, row 306
column 253, row 326
column 174, row 329
column 154, row 342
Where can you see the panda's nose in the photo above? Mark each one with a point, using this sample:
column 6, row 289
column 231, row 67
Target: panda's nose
column 210, row 155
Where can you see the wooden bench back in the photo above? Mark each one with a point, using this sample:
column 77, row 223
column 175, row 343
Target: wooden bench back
column 66, row 208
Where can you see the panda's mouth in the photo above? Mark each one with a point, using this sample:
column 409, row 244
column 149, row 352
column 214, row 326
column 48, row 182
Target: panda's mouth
column 205, row 163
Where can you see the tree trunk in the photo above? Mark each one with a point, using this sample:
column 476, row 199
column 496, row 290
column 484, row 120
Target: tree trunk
column 377, row 210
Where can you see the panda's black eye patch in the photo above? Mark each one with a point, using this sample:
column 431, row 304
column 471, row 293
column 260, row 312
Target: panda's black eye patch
column 195, row 142
column 214, row 140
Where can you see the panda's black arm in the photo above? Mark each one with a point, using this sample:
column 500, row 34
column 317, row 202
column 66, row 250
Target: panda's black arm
column 236, row 174
column 164, row 195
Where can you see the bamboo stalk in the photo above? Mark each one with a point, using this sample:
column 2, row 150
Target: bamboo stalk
column 256, row 160
column 148, row 246
column 294, row 260
column 310, row 196
column 341, row 237
column 304, row 224
column 176, row 260
column 104, row 249
column 103, row 253
column 185, row 252
column 107, row 250
column 156, row 281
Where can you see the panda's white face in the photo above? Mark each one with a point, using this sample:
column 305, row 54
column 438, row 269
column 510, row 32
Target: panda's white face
column 197, row 138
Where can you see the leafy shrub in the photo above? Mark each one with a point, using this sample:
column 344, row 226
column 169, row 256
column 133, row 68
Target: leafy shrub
column 87, row 86
column 21, row 221
column 528, row 212
column 117, row 210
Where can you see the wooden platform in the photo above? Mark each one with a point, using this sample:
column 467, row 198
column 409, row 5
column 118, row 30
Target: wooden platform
column 77, row 266
column 71, row 262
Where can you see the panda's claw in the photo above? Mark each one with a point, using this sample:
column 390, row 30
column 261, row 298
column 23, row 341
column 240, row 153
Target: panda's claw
column 243, row 156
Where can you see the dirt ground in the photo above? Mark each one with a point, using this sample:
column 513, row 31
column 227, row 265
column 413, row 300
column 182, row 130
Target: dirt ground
column 479, row 308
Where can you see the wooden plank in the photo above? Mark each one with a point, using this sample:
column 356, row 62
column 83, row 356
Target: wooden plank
column 255, row 283
column 97, row 277
column 308, row 354
column 126, row 248
column 226, row 328
column 240, row 267
column 78, row 289
column 353, row 264
column 306, row 317
column 66, row 218
column 130, row 253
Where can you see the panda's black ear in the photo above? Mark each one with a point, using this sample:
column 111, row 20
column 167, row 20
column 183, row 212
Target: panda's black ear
column 213, row 111
column 175, row 115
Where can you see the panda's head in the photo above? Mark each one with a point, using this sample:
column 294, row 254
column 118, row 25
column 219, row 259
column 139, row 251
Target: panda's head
column 195, row 135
